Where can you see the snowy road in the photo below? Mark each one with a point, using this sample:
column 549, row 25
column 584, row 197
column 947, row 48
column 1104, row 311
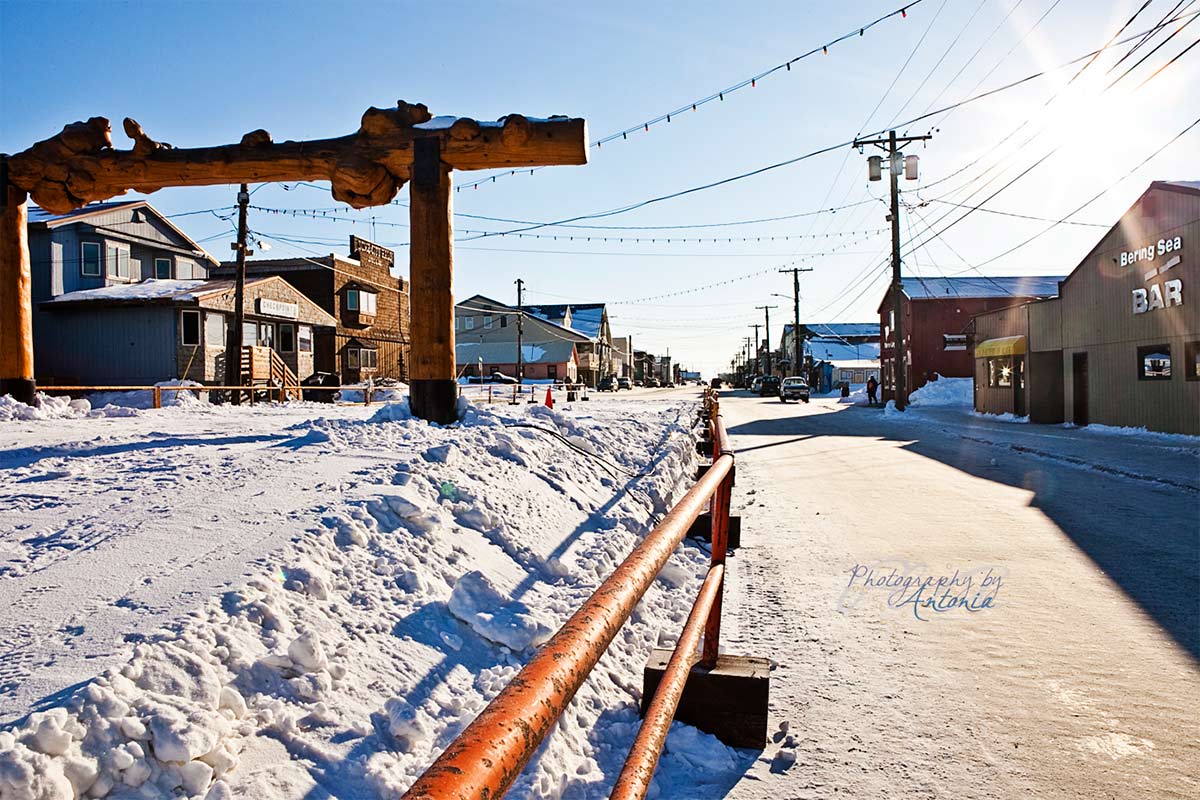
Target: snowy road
column 1078, row 679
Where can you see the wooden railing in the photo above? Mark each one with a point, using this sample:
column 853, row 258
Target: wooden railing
column 489, row 755
column 263, row 367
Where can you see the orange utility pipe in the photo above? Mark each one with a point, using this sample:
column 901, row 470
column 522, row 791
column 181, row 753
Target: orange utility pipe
column 634, row 781
column 483, row 762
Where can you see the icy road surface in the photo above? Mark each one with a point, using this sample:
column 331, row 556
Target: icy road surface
column 1078, row 681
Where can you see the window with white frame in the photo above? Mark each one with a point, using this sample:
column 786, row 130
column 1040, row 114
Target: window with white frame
column 352, row 358
column 369, row 359
column 186, row 269
column 189, row 328
column 214, row 329
column 361, row 301
column 117, row 256
column 162, row 268
column 304, row 338
column 89, row 263
column 469, row 323
column 487, row 321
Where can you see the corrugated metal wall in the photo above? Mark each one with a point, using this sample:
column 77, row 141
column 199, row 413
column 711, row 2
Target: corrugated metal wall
column 1097, row 318
column 106, row 346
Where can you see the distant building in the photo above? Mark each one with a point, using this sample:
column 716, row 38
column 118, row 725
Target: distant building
column 591, row 320
column 157, row 330
column 622, row 356
column 936, row 314
column 487, row 329
column 1120, row 345
column 369, row 302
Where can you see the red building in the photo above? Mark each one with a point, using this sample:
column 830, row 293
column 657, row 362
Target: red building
column 936, row 314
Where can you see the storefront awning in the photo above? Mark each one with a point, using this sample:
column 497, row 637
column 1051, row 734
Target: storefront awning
column 1004, row 346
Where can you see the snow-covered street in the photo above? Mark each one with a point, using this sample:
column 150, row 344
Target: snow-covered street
column 311, row 601
column 1073, row 673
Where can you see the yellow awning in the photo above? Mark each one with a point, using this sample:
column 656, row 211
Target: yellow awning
column 1004, row 346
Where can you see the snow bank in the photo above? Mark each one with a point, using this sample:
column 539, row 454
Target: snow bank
column 1184, row 439
column 350, row 658
column 942, row 393
column 379, row 394
column 144, row 398
column 56, row 407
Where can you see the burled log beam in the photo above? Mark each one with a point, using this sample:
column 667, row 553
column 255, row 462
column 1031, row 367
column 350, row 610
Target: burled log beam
column 365, row 168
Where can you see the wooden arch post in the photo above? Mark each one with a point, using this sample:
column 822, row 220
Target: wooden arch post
column 365, row 168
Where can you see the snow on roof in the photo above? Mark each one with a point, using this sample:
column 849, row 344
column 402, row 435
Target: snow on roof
column 586, row 318
column 853, row 363
column 825, row 348
column 175, row 291
column 999, row 286
column 552, row 352
column 38, row 215
column 838, row 328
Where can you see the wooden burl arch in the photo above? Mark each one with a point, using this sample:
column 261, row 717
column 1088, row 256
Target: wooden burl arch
column 367, row 168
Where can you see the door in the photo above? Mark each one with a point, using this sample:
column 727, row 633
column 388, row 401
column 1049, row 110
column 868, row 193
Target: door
column 1079, row 384
column 1019, row 386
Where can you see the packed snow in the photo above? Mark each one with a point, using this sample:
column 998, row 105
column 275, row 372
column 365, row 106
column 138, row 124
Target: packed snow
column 312, row 600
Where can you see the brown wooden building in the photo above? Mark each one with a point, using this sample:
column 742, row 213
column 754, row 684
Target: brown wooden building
column 936, row 314
column 370, row 304
column 1121, row 344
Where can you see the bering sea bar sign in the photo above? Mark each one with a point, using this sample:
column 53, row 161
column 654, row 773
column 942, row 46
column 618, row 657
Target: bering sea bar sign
column 1159, row 293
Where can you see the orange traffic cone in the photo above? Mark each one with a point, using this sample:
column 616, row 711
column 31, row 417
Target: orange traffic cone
column 549, row 398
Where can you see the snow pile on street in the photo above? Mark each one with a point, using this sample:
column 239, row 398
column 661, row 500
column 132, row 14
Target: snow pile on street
column 941, row 393
column 51, row 407
column 858, row 394
column 379, row 394
column 144, row 398
column 353, row 655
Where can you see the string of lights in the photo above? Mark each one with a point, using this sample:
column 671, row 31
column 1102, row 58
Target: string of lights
column 718, row 96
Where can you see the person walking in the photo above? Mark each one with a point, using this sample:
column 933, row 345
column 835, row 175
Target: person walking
column 872, row 387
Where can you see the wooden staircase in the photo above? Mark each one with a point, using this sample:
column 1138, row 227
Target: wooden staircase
column 264, row 371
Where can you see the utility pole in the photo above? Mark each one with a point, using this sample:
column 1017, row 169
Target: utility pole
column 767, row 329
column 233, row 354
column 798, row 356
column 520, row 332
column 896, row 163
column 757, row 367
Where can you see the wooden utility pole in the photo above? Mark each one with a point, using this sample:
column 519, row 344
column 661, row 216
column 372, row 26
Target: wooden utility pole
column 16, row 294
column 798, row 356
column 767, row 330
column 233, row 353
column 520, row 330
column 366, row 168
column 757, row 366
column 896, row 164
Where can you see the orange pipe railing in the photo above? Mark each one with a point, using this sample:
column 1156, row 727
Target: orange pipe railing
column 489, row 755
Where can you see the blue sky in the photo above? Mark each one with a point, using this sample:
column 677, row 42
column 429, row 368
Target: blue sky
column 204, row 73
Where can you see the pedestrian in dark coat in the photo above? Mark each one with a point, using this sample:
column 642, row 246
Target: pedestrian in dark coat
column 872, row 387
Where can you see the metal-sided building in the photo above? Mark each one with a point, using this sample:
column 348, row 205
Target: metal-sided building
column 1121, row 344
column 143, row 333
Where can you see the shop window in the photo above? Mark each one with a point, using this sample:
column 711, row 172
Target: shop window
column 118, row 261
column 90, row 259
column 287, row 337
column 1191, row 361
column 1000, row 372
column 162, row 268
column 954, row 341
column 266, row 334
column 304, row 338
column 189, row 328
column 214, row 329
column 1154, row 362
column 249, row 333
column 360, row 301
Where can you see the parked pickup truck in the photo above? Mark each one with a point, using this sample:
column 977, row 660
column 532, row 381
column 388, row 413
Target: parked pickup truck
column 793, row 389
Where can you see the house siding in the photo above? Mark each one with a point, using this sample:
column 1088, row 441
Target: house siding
column 116, row 346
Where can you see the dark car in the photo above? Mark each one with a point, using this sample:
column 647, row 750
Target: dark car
column 318, row 379
column 769, row 386
column 652, row 383
column 607, row 384
column 794, row 388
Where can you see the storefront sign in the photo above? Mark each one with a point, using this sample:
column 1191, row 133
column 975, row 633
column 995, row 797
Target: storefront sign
column 1159, row 294
column 277, row 308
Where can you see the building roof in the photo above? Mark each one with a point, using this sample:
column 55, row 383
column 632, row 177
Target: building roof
column 552, row 352
column 43, row 218
column 587, row 318
column 982, row 286
column 835, row 329
column 154, row 291
column 1189, row 186
column 825, row 348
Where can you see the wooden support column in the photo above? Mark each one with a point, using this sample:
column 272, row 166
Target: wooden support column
column 16, row 300
column 433, row 392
